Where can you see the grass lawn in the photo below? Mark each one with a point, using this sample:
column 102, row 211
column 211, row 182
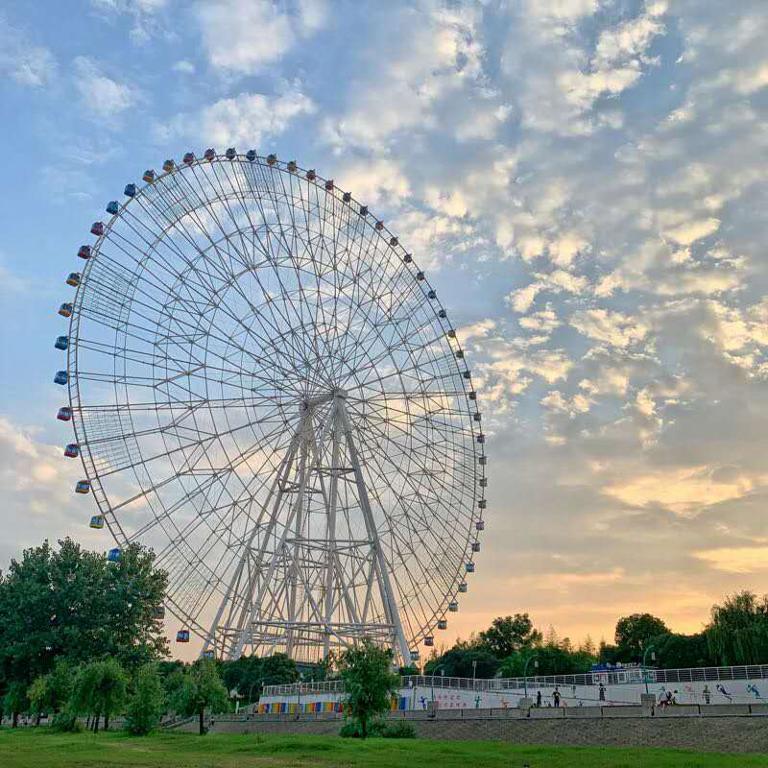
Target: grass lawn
column 28, row 748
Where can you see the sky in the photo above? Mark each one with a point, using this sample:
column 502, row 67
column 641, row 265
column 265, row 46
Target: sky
column 584, row 182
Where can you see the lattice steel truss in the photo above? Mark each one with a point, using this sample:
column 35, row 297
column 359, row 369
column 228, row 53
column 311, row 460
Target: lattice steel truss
column 266, row 390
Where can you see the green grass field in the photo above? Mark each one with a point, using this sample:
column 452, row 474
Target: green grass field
column 27, row 748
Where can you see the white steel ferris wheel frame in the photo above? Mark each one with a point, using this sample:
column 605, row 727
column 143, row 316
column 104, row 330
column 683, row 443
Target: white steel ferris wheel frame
column 395, row 471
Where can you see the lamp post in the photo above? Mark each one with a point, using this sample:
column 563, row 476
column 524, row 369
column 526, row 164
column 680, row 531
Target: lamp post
column 442, row 674
column 474, row 671
column 298, row 708
column 535, row 660
column 652, row 651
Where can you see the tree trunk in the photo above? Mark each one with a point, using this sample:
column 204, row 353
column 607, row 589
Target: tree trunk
column 96, row 723
column 202, row 729
column 363, row 727
column 38, row 718
column 106, row 721
column 15, row 722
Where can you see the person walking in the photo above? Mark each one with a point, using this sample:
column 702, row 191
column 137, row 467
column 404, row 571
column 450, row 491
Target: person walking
column 538, row 699
column 556, row 697
column 601, row 693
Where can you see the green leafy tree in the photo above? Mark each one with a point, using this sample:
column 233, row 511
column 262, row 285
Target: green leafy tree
column 69, row 603
column 674, row 651
column 738, row 631
column 278, row 669
column 464, row 662
column 369, row 682
column 99, row 689
column 147, row 702
column 51, row 692
column 37, row 693
column 509, row 634
column 201, row 690
column 633, row 633
column 16, row 701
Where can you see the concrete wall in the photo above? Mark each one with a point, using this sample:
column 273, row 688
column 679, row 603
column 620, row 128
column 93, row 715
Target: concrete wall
column 713, row 731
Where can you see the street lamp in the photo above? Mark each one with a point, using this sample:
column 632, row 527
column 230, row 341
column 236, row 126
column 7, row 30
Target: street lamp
column 652, row 650
column 535, row 660
column 442, row 674
column 298, row 708
column 474, row 671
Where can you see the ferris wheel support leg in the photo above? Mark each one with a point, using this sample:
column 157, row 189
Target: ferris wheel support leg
column 246, row 625
column 332, row 502
column 282, row 474
column 299, row 522
column 380, row 563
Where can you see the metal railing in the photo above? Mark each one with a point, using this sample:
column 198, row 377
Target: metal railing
column 615, row 676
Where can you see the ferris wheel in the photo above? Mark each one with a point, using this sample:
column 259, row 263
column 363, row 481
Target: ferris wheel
column 266, row 390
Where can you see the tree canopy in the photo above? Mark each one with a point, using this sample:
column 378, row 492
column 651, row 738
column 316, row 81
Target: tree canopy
column 509, row 634
column 633, row 633
column 369, row 682
column 201, row 689
column 71, row 604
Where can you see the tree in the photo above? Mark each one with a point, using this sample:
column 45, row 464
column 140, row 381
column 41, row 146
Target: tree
column 50, row 692
column 464, row 662
column 509, row 634
column 633, row 633
column 369, row 682
column 201, row 689
column 278, row 669
column 73, row 604
column 99, row 689
column 675, row 651
column 147, row 701
column 16, row 701
column 738, row 631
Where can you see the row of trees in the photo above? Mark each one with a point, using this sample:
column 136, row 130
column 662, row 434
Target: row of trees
column 736, row 634
column 102, row 689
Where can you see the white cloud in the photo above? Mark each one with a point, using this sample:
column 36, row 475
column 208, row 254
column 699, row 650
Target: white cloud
column 244, row 36
column 25, row 63
column 614, row 328
column 249, row 119
column 101, row 95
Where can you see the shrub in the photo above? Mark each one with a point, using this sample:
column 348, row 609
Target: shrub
column 378, row 728
column 66, row 722
column 399, row 730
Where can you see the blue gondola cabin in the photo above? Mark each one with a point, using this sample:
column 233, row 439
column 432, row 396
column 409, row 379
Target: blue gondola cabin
column 97, row 228
column 470, row 567
column 230, row 153
column 208, row 654
column 62, row 342
column 168, row 166
column 84, row 252
column 442, row 624
column 72, row 451
column 463, row 587
column 453, row 606
column 480, row 525
column 250, row 155
column 158, row 612
column 113, row 556
column 130, row 190
column 149, row 176
column 73, row 279
column 83, row 486
column 64, row 413
column 182, row 636
column 97, row 522
column 61, row 377
column 113, row 207
column 65, row 310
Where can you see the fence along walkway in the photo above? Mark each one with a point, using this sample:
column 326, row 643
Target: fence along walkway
column 617, row 676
